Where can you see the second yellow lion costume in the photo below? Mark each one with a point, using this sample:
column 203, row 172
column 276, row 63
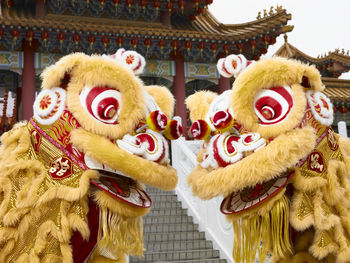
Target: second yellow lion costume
column 283, row 172
column 71, row 179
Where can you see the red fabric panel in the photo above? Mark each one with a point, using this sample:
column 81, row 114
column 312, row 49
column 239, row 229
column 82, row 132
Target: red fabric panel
column 81, row 248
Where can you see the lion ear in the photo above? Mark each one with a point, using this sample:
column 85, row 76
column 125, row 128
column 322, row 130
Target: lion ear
column 311, row 79
column 199, row 104
column 58, row 75
column 163, row 98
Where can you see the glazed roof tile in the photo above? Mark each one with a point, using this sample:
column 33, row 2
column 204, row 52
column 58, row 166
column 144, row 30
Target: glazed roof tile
column 204, row 27
column 289, row 51
column 337, row 89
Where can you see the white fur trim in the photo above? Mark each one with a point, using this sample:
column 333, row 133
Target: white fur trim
column 226, row 69
column 325, row 117
column 222, row 151
column 53, row 97
column 244, row 144
column 40, row 115
column 220, row 103
column 119, row 52
column 123, row 56
column 129, row 144
column 151, row 104
column 241, row 64
column 220, row 67
column 208, row 159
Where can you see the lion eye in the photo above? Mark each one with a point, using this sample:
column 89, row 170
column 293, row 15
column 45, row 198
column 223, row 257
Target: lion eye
column 273, row 105
column 103, row 103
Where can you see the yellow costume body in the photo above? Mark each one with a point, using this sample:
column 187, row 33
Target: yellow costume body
column 283, row 172
column 72, row 178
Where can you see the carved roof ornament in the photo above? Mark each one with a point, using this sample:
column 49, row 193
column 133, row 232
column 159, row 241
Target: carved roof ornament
column 279, row 8
column 272, row 11
column 252, row 37
column 330, row 64
column 259, row 15
column 287, row 28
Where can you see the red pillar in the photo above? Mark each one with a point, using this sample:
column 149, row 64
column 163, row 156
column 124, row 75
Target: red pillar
column 165, row 18
column 28, row 78
column 40, row 8
column 224, row 84
column 180, row 91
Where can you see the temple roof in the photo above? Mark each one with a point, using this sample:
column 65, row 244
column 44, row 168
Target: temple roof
column 205, row 26
column 201, row 38
column 338, row 90
column 331, row 65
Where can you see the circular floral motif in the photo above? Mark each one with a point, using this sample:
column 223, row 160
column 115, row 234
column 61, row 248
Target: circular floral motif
column 45, row 102
column 321, row 107
column 49, row 105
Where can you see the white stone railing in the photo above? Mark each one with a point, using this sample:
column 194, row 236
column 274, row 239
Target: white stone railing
column 342, row 130
column 205, row 213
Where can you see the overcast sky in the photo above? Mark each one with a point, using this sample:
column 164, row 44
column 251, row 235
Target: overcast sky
column 319, row 25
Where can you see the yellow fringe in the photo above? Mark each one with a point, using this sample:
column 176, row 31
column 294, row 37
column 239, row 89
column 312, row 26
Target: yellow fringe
column 264, row 234
column 119, row 233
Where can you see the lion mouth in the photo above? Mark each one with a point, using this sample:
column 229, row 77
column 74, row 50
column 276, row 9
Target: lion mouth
column 118, row 184
column 250, row 197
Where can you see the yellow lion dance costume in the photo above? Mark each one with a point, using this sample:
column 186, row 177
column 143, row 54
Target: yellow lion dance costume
column 71, row 179
column 273, row 156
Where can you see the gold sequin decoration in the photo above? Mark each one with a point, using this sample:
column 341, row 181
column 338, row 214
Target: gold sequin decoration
column 26, row 242
column 47, row 153
column 53, row 210
column 325, row 240
column 53, row 247
column 327, row 153
column 305, row 208
column 327, row 210
column 79, row 210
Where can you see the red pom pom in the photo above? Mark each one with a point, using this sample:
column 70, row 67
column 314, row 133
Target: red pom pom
column 200, row 130
column 222, row 121
column 173, row 130
column 157, row 121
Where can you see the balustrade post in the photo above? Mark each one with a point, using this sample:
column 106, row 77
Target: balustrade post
column 224, row 84
column 28, row 78
column 180, row 91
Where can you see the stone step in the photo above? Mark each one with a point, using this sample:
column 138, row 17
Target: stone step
column 213, row 260
column 170, row 256
column 164, row 198
column 154, row 228
column 166, row 204
column 154, row 191
column 173, row 236
column 178, row 245
column 176, row 211
column 167, row 219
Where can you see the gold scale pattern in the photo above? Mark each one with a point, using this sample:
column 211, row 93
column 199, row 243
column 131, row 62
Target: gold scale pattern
column 48, row 211
column 327, row 149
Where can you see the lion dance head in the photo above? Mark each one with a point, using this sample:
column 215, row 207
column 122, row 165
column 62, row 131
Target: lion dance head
column 80, row 164
column 270, row 151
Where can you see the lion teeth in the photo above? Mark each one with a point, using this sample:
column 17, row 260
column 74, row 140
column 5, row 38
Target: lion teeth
column 280, row 181
column 107, row 168
column 92, row 163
